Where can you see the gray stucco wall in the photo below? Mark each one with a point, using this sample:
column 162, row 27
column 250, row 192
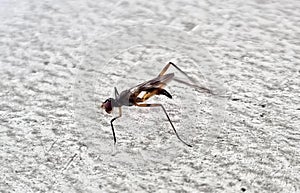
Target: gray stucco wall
column 54, row 139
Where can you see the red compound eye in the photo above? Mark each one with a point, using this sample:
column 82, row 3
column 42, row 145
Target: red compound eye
column 107, row 106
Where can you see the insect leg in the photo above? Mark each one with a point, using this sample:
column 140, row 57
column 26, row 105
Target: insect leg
column 112, row 126
column 190, row 78
column 160, row 105
column 116, row 93
column 167, row 67
column 206, row 90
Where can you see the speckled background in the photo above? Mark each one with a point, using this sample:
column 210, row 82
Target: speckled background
column 45, row 50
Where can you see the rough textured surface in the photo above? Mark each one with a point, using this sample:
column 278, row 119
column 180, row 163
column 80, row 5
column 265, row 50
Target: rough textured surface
column 255, row 44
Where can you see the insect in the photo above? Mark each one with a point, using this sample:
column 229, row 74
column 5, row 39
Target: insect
column 155, row 86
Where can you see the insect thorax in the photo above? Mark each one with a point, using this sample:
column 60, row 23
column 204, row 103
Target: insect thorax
column 125, row 98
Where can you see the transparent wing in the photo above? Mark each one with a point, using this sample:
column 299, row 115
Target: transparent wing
column 158, row 82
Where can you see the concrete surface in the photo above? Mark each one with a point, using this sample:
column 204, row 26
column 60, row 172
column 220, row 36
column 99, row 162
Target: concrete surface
column 60, row 59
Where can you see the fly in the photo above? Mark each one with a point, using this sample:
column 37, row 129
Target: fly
column 155, row 86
